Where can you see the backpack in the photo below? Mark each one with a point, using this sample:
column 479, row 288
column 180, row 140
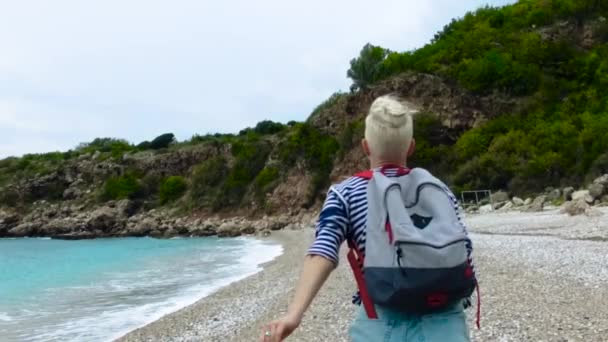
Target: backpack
column 415, row 249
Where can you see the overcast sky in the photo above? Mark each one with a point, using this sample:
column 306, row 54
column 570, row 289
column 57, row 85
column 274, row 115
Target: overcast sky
column 71, row 71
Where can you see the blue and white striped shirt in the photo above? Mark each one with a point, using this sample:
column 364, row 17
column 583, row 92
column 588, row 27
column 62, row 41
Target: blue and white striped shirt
column 337, row 223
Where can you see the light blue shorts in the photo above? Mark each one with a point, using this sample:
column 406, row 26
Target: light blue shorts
column 391, row 326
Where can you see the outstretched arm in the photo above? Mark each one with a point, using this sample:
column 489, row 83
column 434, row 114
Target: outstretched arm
column 315, row 271
column 321, row 260
column 314, row 274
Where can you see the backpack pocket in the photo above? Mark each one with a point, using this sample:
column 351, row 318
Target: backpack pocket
column 423, row 278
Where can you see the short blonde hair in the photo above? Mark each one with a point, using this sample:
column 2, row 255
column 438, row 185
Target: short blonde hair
column 389, row 127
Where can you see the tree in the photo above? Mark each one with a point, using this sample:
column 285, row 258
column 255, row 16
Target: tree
column 268, row 127
column 367, row 68
column 144, row 145
column 162, row 141
column 264, row 127
column 105, row 145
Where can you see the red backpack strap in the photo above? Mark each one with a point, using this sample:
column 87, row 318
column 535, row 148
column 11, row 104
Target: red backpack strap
column 356, row 263
column 478, row 320
column 369, row 174
column 401, row 170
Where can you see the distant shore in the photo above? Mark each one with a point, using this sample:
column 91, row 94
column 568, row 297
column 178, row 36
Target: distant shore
column 542, row 277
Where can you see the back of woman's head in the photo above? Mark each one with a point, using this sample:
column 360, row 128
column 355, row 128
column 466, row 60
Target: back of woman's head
column 389, row 128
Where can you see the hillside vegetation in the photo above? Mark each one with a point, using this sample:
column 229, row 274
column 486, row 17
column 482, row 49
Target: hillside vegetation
column 550, row 55
column 552, row 52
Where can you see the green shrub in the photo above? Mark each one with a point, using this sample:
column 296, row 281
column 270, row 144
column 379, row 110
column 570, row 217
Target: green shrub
column 601, row 32
column 266, row 180
column 598, row 168
column 498, row 70
column 116, row 147
column 433, row 145
column 215, row 139
column 593, row 137
column 9, row 197
column 497, row 19
column 250, row 158
column 171, row 189
column 350, row 136
column 318, row 151
column 144, row 145
column 539, row 17
column 150, row 184
column 207, row 177
column 13, row 169
column 121, row 187
column 266, row 177
column 330, row 102
column 265, row 127
column 307, row 142
column 472, row 143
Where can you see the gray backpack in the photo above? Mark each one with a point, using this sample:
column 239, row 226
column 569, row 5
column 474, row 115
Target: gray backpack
column 415, row 248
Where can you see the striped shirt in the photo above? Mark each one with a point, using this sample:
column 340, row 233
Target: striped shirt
column 338, row 223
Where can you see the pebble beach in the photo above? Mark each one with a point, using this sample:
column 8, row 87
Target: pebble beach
column 543, row 277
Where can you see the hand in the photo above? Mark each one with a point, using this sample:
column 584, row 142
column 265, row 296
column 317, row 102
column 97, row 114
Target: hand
column 279, row 329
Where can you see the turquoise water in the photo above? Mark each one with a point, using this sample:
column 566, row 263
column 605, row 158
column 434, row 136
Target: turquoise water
column 97, row 290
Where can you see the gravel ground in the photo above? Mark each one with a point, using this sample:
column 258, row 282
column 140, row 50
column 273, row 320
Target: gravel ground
column 543, row 277
column 549, row 223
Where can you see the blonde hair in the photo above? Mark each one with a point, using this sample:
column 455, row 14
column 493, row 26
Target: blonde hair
column 389, row 127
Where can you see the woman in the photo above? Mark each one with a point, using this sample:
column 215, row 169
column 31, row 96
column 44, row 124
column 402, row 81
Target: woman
column 388, row 143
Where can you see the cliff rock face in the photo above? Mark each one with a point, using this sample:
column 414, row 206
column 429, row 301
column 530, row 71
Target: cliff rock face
column 586, row 34
column 8, row 220
column 290, row 195
column 457, row 108
column 174, row 162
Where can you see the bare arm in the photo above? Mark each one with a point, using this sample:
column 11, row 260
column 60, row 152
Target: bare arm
column 321, row 260
column 315, row 271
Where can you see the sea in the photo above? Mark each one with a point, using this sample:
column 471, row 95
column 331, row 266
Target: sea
column 98, row 290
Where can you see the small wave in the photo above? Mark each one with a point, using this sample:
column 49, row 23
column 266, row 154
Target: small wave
column 116, row 314
column 262, row 252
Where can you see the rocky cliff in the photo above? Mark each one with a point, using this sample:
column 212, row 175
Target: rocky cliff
column 273, row 174
column 67, row 199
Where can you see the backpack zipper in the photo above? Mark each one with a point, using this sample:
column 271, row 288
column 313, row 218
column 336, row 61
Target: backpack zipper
column 419, row 190
column 399, row 256
column 428, row 244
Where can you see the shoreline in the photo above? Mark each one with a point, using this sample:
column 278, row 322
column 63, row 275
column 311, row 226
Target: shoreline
column 204, row 320
column 531, row 289
column 225, row 283
column 116, row 313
